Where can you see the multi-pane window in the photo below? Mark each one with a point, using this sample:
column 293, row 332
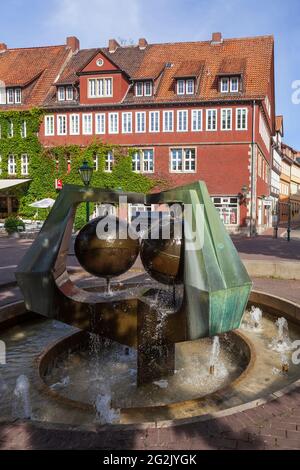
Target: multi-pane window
column 225, row 85
column 168, row 119
column 87, row 124
column 234, row 84
column 183, row 160
column 197, row 120
column 74, row 124
column 182, row 121
column 69, row 93
column 14, row 96
column 113, row 123
column 241, row 119
column 49, row 125
column 100, row 87
column 24, row 164
column 148, row 160
column 186, row 87
column 100, row 123
column 226, row 119
column 140, row 122
column 12, row 166
column 61, row 124
column 211, row 119
column 10, row 132
column 154, row 121
column 23, row 130
column 143, row 161
column 61, row 93
column 228, row 208
column 109, row 161
column 126, row 123
column 143, row 88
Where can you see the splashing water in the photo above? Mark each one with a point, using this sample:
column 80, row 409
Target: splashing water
column 21, row 399
column 256, row 317
column 282, row 341
column 214, row 355
column 105, row 413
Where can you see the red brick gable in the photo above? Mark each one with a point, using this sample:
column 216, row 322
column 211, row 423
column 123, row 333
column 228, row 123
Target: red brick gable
column 93, row 66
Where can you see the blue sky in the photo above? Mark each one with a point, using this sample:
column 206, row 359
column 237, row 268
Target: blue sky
column 33, row 23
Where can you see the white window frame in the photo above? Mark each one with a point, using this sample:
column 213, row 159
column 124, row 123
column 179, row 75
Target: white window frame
column 224, row 80
column 18, row 95
column 64, row 117
column 69, row 93
column 215, row 110
column 109, row 162
column 137, row 85
column 127, row 123
column 146, row 83
column 113, row 129
column 180, row 82
column 227, row 111
column 232, row 79
column 10, row 96
column 197, row 112
column 24, row 164
column 100, row 118
column 87, row 118
column 142, row 113
column 100, row 88
column 241, row 110
column 187, row 82
column 74, row 123
column 23, row 130
column 11, row 163
column 164, row 121
column 183, row 160
column 185, row 113
column 61, row 93
column 10, row 129
column 138, row 158
column 156, row 121
column 49, row 124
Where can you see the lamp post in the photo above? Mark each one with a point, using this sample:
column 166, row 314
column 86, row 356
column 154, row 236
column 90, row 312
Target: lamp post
column 86, row 174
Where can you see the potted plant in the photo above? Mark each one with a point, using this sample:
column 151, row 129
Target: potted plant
column 13, row 226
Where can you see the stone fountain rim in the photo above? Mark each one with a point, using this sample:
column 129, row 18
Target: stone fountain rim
column 258, row 297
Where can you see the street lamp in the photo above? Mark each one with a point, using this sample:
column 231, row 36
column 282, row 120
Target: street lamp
column 86, row 174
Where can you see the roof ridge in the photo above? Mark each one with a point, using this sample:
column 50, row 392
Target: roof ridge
column 35, row 47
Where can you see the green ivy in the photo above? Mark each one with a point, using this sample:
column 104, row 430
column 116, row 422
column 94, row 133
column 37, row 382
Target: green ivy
column 48, row 164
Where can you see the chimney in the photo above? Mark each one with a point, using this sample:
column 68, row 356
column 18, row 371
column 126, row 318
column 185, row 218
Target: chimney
column 142, row 43
column 216, row 38
column 3, row 47
column 113, row 45
column 73, row 43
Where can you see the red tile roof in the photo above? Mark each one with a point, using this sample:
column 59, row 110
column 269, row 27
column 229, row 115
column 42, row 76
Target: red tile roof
column 35, row 68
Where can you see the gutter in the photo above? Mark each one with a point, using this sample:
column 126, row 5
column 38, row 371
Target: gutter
column 252, row 226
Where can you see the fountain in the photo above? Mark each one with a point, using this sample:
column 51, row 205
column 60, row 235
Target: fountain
column 215, row 354
column 282, row 342
column 21, row 399
column 163, row 345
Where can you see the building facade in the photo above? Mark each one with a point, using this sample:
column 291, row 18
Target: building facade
column 192, row 111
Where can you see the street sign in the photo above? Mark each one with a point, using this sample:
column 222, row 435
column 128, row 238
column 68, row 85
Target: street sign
column 58, row 184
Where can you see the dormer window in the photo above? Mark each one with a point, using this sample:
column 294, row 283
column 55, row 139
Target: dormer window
column 13, row 96
column 143, row 88
column 186, row 87
column 65, row 93
column 229, row 84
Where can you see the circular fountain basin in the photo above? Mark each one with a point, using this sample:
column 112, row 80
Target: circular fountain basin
column 65, row 379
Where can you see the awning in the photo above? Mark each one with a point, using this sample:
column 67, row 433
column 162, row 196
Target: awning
column 7, row 183
column 43, row 204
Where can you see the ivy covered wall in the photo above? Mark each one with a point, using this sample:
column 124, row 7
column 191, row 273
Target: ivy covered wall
column 45, row 165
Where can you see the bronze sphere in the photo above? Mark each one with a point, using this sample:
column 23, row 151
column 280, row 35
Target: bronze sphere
column 163, row 258
column 112, row 254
